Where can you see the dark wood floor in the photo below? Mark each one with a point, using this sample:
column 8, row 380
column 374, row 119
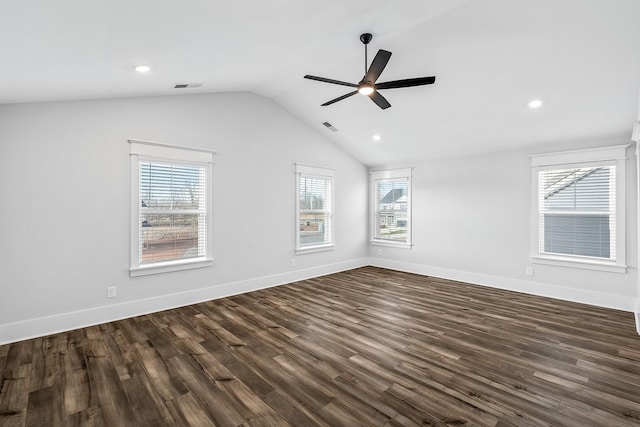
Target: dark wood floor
column 368, row 347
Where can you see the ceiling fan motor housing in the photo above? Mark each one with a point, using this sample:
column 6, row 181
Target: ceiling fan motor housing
column 366, row 38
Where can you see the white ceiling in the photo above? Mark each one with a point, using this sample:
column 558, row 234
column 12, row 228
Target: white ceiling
column 490, row 58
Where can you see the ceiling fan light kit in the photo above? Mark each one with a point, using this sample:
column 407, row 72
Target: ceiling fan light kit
column 368, row 86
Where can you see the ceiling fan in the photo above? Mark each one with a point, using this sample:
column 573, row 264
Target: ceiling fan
column 368, row 85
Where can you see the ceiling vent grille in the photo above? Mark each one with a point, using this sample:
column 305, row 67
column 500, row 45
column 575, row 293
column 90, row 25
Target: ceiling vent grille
column 186, row 85
column 330, row 126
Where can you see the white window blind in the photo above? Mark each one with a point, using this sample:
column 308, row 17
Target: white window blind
column 577, row 214
column 315, row 207
column 172, row 211
column 171, row 205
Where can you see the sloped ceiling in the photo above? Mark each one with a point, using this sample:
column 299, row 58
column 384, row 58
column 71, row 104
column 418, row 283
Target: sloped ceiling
column 490, row 57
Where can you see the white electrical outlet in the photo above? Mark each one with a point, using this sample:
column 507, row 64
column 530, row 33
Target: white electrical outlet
column 379, row 251
column 292, row 263
column 529, row 271
column 111, row 292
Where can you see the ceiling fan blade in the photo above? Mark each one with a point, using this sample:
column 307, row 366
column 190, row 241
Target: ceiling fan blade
column 335, row 82
column 380, row 100
column 377, row 65
column 418, row 81
column 340, row 98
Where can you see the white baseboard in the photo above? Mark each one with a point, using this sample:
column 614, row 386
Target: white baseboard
column 38, row 327
column 32, row 328
column 600, row 299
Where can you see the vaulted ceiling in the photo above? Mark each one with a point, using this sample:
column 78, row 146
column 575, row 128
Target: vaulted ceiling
column 491, row 58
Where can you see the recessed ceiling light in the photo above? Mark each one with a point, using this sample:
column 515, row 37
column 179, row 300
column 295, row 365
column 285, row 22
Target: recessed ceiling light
column 536, row 103
column 377, row 137
column 143, row 69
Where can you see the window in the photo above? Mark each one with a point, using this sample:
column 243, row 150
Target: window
column 579, row 199
column 314, row 208
column 171, row 205
column 391, row 207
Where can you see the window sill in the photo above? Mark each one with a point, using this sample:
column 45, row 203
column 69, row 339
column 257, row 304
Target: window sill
column 313, row 249
column 390, row 244
column 169, row 266
column 575, row 263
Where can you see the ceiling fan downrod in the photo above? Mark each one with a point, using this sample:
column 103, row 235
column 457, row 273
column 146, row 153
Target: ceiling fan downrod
column 365, row 39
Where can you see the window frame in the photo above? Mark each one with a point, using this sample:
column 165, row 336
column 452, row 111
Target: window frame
column 153, row 151
column 318, row 172
column 389, row 175
column 591, row 157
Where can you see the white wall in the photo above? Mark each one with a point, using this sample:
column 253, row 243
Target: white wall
column 471, row 222
column 64, row 207
column 637, row 125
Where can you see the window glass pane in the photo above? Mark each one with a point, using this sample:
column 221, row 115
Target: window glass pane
column 584, row 189
column 391, row 206
column 312, row 229
column 166, row 237
column 577, row 211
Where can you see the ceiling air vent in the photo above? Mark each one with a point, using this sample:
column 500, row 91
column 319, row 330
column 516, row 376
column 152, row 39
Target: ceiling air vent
column 186, row 85
column 330, row 126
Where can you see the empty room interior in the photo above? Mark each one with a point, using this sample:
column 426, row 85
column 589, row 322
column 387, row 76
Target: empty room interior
column 284, row 213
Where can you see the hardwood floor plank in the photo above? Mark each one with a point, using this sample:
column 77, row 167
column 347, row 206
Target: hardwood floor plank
column 45, row 408
column 292, row 411
column 14, row 394
column 157, row 372
column 107, row 392
column 74, row 378
column 219, row 407
column 91, row 417
column 367, row 346
column 187, row 412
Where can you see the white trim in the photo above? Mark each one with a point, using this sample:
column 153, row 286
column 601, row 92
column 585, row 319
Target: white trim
column 161, row 144
column 635, row 134
column 600, row 299
column 315, row 170
column 169, row 266
column 614, row 152
column 636, row 138
column 313, row 249
column 390, row 244
column 32, row 328
column 391, row 173
column 575, row 262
